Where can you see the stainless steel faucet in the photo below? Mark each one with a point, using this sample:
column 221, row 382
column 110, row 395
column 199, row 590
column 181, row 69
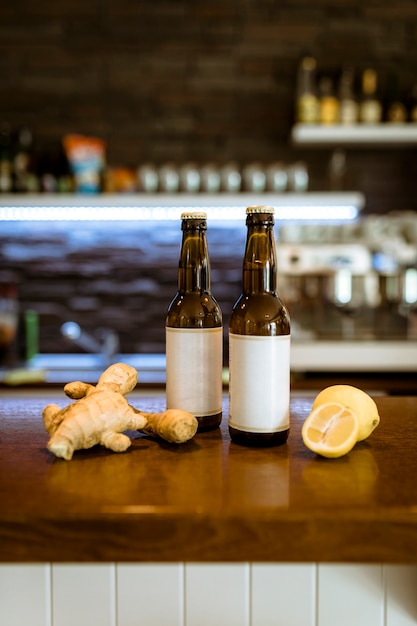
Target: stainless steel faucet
column 107, row 346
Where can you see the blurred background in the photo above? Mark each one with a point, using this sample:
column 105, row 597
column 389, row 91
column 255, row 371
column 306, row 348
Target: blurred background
column 204, row 81
column 208, row 83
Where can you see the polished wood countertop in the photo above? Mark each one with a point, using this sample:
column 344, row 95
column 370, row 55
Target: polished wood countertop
column 209, row 499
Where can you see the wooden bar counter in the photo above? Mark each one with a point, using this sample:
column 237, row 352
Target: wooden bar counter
column 209, row 499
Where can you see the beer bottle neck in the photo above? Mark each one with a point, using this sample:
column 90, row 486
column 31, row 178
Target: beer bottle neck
column 194, row 266
column 259, row 264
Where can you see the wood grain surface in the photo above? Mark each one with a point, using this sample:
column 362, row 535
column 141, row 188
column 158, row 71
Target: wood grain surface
column 209, row 499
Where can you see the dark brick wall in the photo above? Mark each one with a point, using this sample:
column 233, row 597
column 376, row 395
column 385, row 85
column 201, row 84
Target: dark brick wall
column 200, row 80
column 171, row 79
column 119, row 276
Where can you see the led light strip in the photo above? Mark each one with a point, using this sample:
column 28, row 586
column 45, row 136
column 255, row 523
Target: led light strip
column 306, row 212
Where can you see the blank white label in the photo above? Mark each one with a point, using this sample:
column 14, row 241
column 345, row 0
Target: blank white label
column 259, row 384
column 194, row 362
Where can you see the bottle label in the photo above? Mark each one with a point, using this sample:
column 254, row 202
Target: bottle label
column 194, row 361
column 259, row 385
column 370, row 112
column 329, row 110
column 348, row 111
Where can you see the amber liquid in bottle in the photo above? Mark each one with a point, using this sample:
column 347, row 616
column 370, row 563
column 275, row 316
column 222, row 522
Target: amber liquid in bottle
column 259, row 343
column 194, row 332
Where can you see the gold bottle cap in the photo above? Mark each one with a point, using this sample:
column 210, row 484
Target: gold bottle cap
column 193, row 215
column 259, row 208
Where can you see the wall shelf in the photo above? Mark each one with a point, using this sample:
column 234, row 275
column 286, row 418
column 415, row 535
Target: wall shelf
column 360, row 135
column 159, row 206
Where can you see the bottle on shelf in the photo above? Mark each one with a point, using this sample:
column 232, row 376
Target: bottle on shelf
column 396, row 112
column 307, row 102
column 413, row 104
column 47, row 173
column 6, row 180
column 25, row 179
column 348, row 103
column 328, row 102
column 259, row 343
column 194, row 331
column 64, row 176
column 370, row 108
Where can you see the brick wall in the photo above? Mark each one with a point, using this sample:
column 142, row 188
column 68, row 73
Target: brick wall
column 200, row 80
column 120, row 276
column 203, row 80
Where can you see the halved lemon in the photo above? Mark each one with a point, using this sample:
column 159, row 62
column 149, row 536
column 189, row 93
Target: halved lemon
column 357, row 400
column 331, row 430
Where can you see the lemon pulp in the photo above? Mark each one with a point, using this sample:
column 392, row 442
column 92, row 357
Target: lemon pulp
column 331, row 430
column 355, row 399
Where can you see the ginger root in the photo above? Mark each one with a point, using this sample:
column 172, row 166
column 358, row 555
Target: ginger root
column 173, row 425
column 101, row 413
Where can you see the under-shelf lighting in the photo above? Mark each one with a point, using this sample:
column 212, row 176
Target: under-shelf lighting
column 127, row 213
column 311, row 206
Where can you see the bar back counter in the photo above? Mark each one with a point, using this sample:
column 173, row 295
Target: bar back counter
column 207, row 532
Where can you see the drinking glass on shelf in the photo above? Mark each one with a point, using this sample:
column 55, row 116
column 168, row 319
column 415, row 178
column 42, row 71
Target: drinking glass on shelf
column 210, row 178
column 276, row 177
column 231, row 178
column 169, row 178
column 254, row 178
column 148, row 179
column 298, row 177
column 190, row 178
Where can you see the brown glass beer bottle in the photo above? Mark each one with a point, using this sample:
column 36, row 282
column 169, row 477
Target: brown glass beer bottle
column 194, row 332
column 259, row 343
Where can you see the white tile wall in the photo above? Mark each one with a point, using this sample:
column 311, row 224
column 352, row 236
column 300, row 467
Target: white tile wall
column 350, row 595
column 150, row 594
column 401, row 595
column 217, row 594
column 83, row 595
column 25, row 595
column 178, row 594
column 283, row 594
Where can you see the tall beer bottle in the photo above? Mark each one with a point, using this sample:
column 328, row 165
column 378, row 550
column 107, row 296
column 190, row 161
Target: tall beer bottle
column 259, row 343
column 194, row 331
